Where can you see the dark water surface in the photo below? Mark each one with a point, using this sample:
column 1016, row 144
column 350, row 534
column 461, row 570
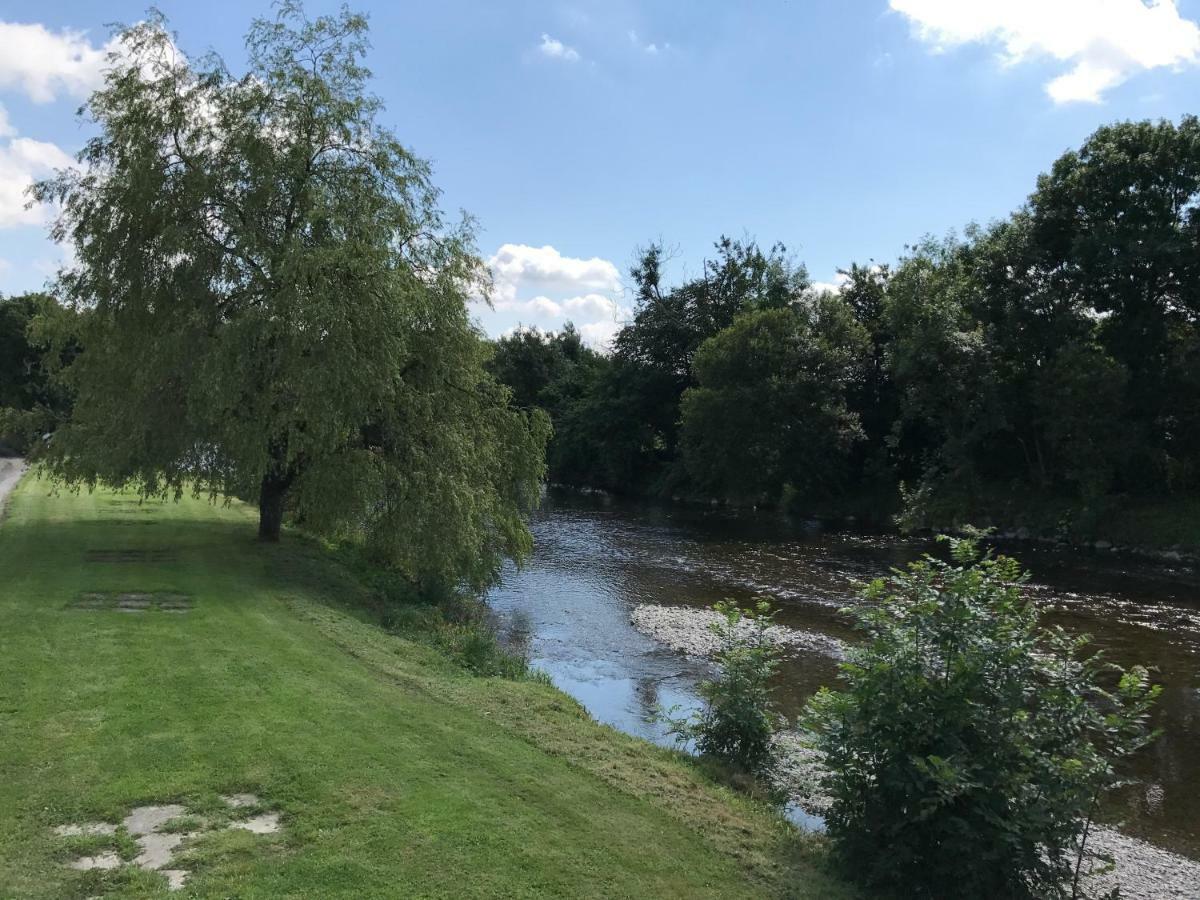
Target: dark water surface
column 596, row 558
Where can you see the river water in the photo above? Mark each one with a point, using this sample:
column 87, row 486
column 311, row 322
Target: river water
column 597, row 557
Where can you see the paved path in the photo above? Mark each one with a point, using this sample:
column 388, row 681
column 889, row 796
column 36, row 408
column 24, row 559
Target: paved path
column 10, row 473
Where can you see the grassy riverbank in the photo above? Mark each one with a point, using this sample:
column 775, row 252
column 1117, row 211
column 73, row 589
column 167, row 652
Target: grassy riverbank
column 395, row 772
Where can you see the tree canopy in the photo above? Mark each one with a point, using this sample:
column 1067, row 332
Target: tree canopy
column 273, row 306
column 31, row 400
column 769, row 408
column 1054, row 354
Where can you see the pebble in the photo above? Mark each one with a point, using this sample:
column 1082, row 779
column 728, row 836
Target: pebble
column 689, row 631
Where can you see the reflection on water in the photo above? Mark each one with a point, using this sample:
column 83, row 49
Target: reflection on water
column 596, row 558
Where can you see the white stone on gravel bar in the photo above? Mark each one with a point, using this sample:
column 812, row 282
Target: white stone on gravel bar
column 87, row 828
column 689, row 631
column 239, row 800
column 145, row 819
column 106, row 860
column 157, row 849
column 175, row 878
column 267, row 823
column 1144, row 872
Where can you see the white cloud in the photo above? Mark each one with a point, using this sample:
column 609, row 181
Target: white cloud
column 541, row 287
column 1104, row 42
column 540, row 306
column 556, row 49
column 6, row 129
column 585, row 308
column 600, row 334
column 834, row 287
column 45, row 64
column 549, row 272
column 592, row 306
column 21, row 161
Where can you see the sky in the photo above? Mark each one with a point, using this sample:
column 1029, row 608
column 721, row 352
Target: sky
column 575, row 132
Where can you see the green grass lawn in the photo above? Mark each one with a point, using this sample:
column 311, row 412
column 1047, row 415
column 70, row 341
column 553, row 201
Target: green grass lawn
column 397, row 774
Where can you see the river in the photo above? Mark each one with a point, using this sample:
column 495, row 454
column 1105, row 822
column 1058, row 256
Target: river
column 597, row 557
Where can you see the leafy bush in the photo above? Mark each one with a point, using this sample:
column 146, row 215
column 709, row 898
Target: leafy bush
column 474, row 645
column 739, row 716
column 971, row 746
column 459, row 626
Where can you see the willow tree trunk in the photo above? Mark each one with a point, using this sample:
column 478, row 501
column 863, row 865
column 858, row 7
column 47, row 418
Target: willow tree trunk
column 270, row 507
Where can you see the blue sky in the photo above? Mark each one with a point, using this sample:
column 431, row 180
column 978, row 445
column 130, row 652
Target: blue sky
column 576, row 131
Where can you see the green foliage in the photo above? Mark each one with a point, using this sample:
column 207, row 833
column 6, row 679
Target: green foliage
column 273, row 307
column 1118, row 224
column 558, row 373
column 941, row 364
column 475, row 646
column 542, row 368
column 456, row 622
column 769, row 409
column 31, row 400
column 970, row 745
column 739, row 717
column 1079, row 407
column 670, row 325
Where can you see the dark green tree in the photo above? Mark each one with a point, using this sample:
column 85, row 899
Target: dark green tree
column 1117, row 226
column 874, row 399
column 670, row 324
column 770, row 407
column 942, row 367
column 31, row 399
column 276, row 308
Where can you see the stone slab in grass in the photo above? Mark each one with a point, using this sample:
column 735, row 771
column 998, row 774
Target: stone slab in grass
column 147, row 819
column 267, row 823
column 106, row 860
column 156, row 847
column 157, row 850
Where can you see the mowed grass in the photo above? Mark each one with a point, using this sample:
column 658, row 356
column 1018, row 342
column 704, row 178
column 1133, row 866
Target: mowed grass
column 396, row 773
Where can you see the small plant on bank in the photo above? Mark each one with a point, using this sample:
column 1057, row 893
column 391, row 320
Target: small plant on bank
column 971, row 746
column 739, row 718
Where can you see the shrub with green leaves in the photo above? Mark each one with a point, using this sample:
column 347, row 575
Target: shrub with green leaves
column 739, row 717
column 971, row 746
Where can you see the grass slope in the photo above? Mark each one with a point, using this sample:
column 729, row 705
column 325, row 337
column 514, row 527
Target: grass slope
column 397, row 774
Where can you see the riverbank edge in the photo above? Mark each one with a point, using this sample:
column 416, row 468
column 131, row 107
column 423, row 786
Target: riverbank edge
column 1144, row 871
column 1033, row 528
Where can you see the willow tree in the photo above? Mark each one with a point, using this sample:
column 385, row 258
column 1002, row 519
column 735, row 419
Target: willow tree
column 273, row 307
